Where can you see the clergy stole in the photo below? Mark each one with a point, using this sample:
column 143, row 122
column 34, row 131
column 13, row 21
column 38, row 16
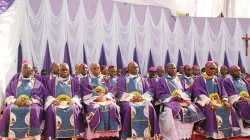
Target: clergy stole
column 241, row 88
column 188, row 112
column 106, row 115
column 64, row 114
column 223, row 117
column 140, row 122
column 20, row 116
column 113, row 81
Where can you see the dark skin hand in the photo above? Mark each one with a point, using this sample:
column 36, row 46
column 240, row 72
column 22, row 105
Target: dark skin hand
column 56, row 103
column 246, row 100
column 227, row 105
column 178, row 98
column 212, row 106
column 18, row 103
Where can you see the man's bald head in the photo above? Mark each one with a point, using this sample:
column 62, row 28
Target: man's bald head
column 160, row 71
column 64, row 70
column 196, row 70
column 83, row 69
column 27, row 70
column 235, row 71
column 54, row 68
column 95, row 69
column 223, row 70
column 210, row 68
column 171, row 69
column 243, row 70
column 133, row 68
column 77, row 68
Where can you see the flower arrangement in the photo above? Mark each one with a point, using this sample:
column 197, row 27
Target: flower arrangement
column 136, row 93
column 99, row 89
column 63, row 97
column 175, row 92
column 215, row 98
column 23, row 97
column 244, row 94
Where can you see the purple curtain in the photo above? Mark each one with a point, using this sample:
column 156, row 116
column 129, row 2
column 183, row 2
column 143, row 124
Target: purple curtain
column 47, row 59
column 150, row 60
column 20, row 58
column 239, row 61
column 209, row 57
column 102, row 60
column 84, row 56
column 4, row 5
column 135, row 59
column 195, row 60
column 119, row 59
column 167, row 59
column 179, row 63
column 67, row 57
column 226, row 61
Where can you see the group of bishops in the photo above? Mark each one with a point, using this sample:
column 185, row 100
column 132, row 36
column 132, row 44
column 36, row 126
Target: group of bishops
column 109, row 103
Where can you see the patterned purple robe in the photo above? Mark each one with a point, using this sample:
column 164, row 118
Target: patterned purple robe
column 50, row 116
column 210, row 126
column 106, row 119
column 36, row 109
column 125, row 112
column 242, row 108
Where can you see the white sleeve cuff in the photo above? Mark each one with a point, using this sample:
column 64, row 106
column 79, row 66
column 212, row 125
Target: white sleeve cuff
column 126, row 97
column 234, row 98
column 35, row 101
column 109, row 96
column 77, row 101
column 10, row 100
column 90, row 100
column 202, row 101
column 225, row 99
column 147, row 97
column 185, row 96
column 49, row 101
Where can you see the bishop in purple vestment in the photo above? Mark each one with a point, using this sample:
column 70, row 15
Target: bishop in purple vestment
column 22, row 116
column 238, row 92
column 211, row 97
column 178, row 113
column 63, row 118
column 101, row 112
column 137, row 113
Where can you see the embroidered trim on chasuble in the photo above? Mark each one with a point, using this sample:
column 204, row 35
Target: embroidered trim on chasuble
column 65, row 125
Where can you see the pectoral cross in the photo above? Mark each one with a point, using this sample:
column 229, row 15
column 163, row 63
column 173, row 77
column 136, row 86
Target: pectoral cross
column 246, row 40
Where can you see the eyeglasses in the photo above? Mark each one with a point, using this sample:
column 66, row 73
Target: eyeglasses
column 212, row 68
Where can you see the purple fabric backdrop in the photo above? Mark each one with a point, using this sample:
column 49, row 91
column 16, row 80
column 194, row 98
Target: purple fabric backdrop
column 195, row 60
column 239, row 61
column 119, row 59
column 209, row 57
column 135, row 59
column 226, row 61
column 167, row 59
column 179, row 63
column 84, row 56
column 150, row 60
column 20, row 58
column 90, row 10
column 67, row 57
column 4, row 5
column 102, row 60
column 47, row 60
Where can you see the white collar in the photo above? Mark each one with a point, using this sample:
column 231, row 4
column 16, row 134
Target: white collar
column 60, row 79
column 93, row 76
column 132, row 76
